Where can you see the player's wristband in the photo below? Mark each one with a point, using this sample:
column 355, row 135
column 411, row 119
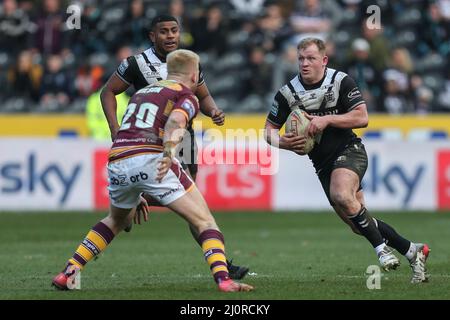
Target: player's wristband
column 169, row 149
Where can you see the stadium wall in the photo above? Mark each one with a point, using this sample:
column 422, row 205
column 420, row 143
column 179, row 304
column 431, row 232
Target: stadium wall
column 69, row 174
column 392, row 127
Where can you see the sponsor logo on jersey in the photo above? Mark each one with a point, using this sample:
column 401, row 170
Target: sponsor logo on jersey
column 274, row 108
column 189, row 108
column 152, row 74
column 353, row 94
column 123, row 67
column 324, row 113
column 329, row 96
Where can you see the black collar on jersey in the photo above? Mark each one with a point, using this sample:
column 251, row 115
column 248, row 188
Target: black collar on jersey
column 160, row 57
column 314, row 85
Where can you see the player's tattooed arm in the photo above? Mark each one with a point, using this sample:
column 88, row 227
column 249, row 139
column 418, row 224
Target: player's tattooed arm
column 208, row 105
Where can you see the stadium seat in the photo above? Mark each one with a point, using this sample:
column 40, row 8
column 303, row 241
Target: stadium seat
column 113, row 15
column 230, row 61
column 404, row 38
column 77, row 106
column 15, row 105
column 433, row 81
column 252, row 103
column 408, row 17
column 431, row 62
column 225, row 83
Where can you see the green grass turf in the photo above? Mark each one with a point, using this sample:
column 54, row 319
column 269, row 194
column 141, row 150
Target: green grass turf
column 294, row 256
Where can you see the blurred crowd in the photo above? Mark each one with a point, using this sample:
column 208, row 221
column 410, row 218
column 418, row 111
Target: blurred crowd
column 247, row 47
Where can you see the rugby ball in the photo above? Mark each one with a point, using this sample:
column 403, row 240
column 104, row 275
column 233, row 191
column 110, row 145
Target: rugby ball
column 297, row 123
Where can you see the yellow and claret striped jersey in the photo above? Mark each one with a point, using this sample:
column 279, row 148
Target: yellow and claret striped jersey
column 142, row 128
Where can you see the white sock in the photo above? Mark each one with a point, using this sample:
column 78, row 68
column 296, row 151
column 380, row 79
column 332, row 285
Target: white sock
column 380, row 248
column 411, row 253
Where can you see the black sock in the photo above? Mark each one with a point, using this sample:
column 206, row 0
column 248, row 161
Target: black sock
column 392, row 238
column 367, row 227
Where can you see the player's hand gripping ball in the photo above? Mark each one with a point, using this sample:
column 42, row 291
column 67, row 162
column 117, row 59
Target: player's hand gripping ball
column 297, row 123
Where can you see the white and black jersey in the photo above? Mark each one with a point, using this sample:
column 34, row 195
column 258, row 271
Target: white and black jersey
column 336, row 93
column 145, row 68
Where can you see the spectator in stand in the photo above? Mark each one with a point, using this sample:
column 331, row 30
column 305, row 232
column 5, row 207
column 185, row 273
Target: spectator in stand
column 55, row 88
column 444, row 8
column 25, row 77
column 121, row 54
column 401, row 60
column 135, row 25
column 333, row 60
column 379, row 50
column 266, row 24
column 248, row 8
column 210, row 31
column 394, row 100
column 287, row 68
column 259, row 77
column 423, row 101
column 29, row 7
column 361, row 69
column 88, row 39
column 443, row 98
column 435, row 32
column 15, row 27
column 352, row 11
column 397, row 79
column 49, row 37
column 88, row 79
column 4, row 85
column 272, row 30
column 310, row 20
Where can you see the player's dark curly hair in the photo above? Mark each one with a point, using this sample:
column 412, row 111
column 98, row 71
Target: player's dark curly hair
column 161, row 18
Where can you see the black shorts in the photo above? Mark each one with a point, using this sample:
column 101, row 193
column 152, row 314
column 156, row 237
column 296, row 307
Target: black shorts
column 190, row 162
column 352, row 157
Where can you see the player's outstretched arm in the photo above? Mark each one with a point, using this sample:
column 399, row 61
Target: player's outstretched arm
column 208, row 105
column 113, row 87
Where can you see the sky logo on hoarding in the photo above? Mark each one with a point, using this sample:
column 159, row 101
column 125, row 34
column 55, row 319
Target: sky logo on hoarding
column 17, row 176
column 394, row 178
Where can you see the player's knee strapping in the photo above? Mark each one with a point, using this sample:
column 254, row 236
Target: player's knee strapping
column 213, row 246
column 95, row 242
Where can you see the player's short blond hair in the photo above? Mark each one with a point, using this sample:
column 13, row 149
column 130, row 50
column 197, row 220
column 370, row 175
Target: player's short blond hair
column 305, row 43
column 182, row 61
